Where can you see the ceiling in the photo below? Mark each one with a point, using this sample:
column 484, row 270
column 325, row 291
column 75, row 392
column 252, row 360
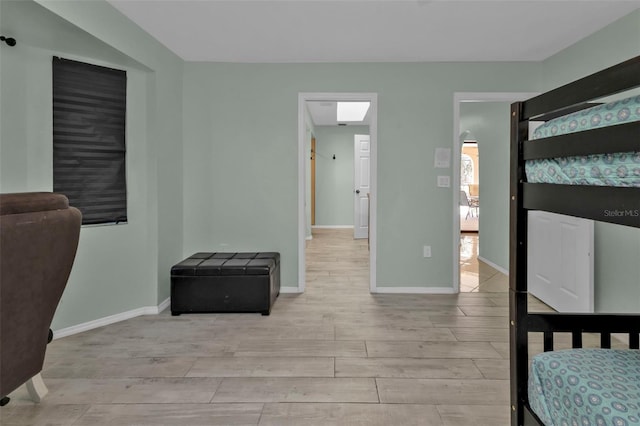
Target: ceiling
column 288, row 31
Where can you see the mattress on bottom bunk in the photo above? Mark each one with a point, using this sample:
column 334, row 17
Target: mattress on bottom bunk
column 586, row 387
column 619, row 169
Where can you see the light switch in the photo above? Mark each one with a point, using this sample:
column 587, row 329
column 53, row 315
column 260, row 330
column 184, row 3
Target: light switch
column 444, row 182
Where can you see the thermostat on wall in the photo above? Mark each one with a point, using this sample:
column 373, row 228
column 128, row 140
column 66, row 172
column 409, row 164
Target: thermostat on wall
column 442, row 158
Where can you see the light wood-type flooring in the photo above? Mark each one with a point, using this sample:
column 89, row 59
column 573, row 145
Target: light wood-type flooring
column 335, row 355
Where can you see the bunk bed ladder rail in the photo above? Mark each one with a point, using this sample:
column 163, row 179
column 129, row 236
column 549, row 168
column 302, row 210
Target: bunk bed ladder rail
column 518, row 269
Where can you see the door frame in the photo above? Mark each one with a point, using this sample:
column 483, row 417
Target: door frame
column 458, row 98
column 313, row 180
column 303, row 97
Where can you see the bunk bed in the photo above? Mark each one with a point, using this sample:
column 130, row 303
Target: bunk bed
column 606, row 201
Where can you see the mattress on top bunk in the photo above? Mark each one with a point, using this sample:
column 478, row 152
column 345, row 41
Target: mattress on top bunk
column 617, row 169
column 586, row 387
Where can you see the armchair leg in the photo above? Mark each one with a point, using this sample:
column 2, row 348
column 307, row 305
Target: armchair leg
column 36, row 387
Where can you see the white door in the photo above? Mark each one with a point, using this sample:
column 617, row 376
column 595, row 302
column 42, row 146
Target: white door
column 362, row 154
column 560, row 258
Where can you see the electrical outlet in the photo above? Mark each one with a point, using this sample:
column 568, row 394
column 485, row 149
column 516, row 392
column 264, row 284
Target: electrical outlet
column 426, row 251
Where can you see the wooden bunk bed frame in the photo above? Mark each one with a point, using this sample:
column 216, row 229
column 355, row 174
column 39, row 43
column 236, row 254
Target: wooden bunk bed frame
column 591, row 202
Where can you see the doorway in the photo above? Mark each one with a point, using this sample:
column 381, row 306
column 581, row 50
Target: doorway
column 312, row 157
column 303, row 187
column 469, row 184
column 469, row 213
column 494, row 194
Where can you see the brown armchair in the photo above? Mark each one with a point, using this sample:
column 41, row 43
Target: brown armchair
column 38, row 240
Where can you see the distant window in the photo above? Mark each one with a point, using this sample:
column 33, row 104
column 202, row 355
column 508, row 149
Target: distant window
column 466, row 170
column 89, row 111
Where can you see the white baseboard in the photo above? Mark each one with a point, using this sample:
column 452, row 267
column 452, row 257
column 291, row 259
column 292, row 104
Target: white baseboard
column 332, row 227
column 164, row 305
column 493, row 265
column 414, row 290
column 308, row 238
column 111, row 319
column 389, row 290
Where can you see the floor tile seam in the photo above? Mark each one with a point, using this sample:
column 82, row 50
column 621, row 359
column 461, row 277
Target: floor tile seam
column 411, row 341
column 435, row 359
column 428, row 341
column 425, row 328
column 444, row 342
column 122, row 378
column 440, row 415
column 327, row 376
column 465, row 380
column 498, row 357
column 349, row 403
column 264, row 405
column 87, row 408
column 276, row 378
column 496, row 327
column 164, row 403
column 475, row 363
column 488, row 316
column 190, row 368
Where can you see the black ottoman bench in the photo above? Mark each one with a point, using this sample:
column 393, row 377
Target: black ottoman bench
column 225, row 282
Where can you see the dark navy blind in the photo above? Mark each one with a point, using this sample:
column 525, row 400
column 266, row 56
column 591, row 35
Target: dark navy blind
column 89, row 111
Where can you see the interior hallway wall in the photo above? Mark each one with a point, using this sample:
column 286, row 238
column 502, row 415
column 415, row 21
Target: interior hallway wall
column 334, row 177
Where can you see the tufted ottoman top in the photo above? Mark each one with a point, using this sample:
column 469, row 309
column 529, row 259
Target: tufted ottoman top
column 208, row 264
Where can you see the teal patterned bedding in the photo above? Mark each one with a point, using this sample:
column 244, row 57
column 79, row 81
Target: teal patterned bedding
column 617, row 169
column 586, row 387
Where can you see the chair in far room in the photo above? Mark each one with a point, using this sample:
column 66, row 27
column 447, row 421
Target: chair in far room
column 466, row 202
column 474, row 197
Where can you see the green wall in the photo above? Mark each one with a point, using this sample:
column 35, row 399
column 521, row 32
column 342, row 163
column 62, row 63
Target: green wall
column 489, row 123
column 617, row 248
column 240, row 156
column 613, row 44
column 334, row 178
column 212, row 151
column 117, row 268
column 415, row 117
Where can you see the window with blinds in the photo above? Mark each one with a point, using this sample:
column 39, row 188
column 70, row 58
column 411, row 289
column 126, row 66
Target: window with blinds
column 89, row 116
